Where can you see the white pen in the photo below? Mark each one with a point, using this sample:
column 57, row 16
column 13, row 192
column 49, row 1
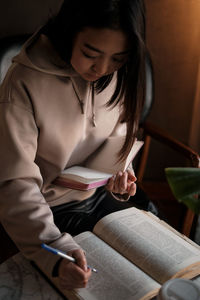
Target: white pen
column 64, row 255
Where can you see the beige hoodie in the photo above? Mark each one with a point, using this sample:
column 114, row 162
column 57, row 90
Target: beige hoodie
column 43, row 130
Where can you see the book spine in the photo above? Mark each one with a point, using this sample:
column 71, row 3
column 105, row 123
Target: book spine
column 80, row 186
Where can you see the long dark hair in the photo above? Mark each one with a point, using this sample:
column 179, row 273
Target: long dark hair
column 125, row 15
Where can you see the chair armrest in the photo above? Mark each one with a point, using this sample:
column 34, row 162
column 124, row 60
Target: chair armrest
column 151, row 131
column 162, row 136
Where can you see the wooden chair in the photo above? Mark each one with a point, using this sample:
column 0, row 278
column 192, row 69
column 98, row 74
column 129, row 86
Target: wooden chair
column 9, row 47
column 159, row 191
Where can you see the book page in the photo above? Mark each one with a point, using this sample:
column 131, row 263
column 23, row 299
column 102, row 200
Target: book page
column 154, row 248
column 117, row 278
column 84, row 175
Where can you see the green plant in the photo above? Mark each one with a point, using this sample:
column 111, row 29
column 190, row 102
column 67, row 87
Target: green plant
column 185, row 185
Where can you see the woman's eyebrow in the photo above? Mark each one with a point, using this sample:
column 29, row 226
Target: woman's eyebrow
column 92, row 48
column 99, row 51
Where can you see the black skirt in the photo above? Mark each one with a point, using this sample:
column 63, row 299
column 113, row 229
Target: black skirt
column 76, row 217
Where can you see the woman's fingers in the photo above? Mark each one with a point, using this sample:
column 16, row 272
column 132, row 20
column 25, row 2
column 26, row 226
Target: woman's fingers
column 132, row 189
column 74, row 275
column 110, row 184
column 123, row 183
column 80, row 259
column 131, row 175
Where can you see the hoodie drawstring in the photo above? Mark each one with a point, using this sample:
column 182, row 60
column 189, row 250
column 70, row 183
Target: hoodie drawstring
column 81, row 103
column 93, row 108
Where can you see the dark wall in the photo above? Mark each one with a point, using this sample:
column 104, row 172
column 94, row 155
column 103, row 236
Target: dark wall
column 25, row 16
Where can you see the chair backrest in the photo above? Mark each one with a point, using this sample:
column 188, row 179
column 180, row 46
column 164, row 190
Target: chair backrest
column 9, row 47
column 149, row 95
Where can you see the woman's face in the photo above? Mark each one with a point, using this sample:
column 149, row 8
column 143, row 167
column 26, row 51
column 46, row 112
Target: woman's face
column 99, row 52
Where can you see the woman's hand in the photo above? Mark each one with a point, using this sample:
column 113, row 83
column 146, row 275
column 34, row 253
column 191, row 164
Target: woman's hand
column 74, row 275
column 122, row 183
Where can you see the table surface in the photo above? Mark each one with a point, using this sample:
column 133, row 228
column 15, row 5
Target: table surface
column 19, row 280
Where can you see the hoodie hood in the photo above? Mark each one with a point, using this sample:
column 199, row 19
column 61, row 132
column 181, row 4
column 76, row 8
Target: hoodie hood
column 38, row 53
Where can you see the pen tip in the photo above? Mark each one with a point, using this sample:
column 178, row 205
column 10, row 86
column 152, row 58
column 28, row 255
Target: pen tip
column 94, row 270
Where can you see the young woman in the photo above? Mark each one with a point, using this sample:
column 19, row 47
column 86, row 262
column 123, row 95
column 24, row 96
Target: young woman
column 76, row 82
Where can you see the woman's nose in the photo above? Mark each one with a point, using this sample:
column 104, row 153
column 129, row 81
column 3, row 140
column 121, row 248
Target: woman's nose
column 101, row 67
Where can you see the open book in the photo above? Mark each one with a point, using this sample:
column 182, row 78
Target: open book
column 134, row 253
column 99, row 167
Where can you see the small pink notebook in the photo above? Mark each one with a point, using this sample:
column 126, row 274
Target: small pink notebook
column 81, row 178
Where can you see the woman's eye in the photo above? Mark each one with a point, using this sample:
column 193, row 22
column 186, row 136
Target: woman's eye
column 87, row 55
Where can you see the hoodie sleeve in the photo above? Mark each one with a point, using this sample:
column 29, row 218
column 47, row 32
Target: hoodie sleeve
column 24, row 213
